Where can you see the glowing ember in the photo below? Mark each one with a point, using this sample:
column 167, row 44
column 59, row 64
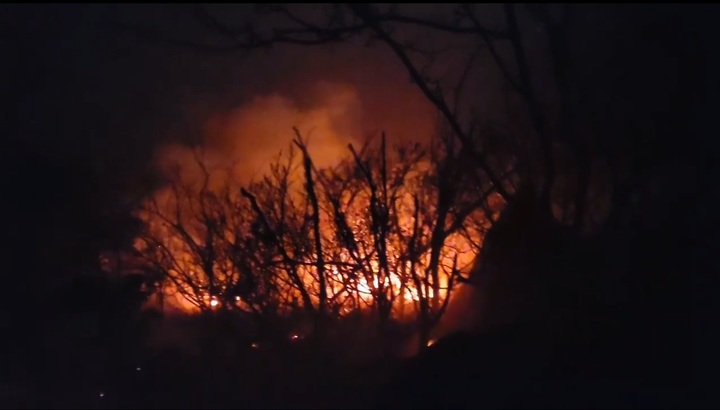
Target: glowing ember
column 431, row 342
column 214, row 303
column 294, row 337
column 255, row 345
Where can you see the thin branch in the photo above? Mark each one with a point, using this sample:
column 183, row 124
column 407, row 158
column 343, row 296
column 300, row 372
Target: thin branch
column 366, row 13
column 307, row 302
column 536, row 115
column 493, row 51
column 312, row 195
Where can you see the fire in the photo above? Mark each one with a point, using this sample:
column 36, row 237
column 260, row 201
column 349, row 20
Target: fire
column 401, row 285
column 356, row 276
column 353, row 291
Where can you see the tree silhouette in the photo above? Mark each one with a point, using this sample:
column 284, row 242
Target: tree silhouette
column 390, row 233
column 595, row 119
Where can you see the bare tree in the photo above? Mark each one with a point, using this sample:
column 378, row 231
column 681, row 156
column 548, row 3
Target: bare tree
column 393, row 231
column 196, row 240
column 386, row 230
column 504, row 38
column 278, row 218
column 552, row 172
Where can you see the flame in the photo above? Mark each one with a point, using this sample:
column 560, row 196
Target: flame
column 351, row 293
column 403, row 282
column 351, row 290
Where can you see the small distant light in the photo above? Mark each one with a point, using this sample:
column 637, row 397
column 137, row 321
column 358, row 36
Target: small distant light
column 255, row 345
column 294, row 337
column 430, row 343
column 138, row 368
column 237, row 298
column 102, row 395
column 214, row 303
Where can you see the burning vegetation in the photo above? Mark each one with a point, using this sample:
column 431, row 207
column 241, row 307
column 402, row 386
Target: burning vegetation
column 385, row 233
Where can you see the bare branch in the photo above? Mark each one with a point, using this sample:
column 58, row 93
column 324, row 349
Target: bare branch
column 366, row 13
column 312, row 195
column 536, row 116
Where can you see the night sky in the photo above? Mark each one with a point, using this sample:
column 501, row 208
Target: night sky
column 88, row 102
column 92, row 107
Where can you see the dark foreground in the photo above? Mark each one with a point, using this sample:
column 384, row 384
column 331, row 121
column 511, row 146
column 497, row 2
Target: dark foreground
column 590, row 343
column 460, row 371
column 291, row 375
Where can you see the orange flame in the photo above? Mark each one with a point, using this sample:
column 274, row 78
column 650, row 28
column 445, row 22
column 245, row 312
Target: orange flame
column 404, row 283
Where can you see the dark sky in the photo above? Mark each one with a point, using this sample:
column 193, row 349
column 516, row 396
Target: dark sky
column 92, row 114
column 87, row 106
column 108, row 92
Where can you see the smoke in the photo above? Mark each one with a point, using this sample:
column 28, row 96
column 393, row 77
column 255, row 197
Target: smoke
column 250, row 137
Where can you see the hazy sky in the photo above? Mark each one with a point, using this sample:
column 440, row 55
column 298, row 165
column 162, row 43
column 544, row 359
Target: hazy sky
column 109, row 90
column 94, row 93
column 89, row 108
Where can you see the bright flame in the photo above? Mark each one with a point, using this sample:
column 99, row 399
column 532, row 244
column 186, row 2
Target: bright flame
column 354, row 278
column 406, row 284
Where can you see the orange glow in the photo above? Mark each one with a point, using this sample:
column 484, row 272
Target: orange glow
column 240, row 148
column 347, row 289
